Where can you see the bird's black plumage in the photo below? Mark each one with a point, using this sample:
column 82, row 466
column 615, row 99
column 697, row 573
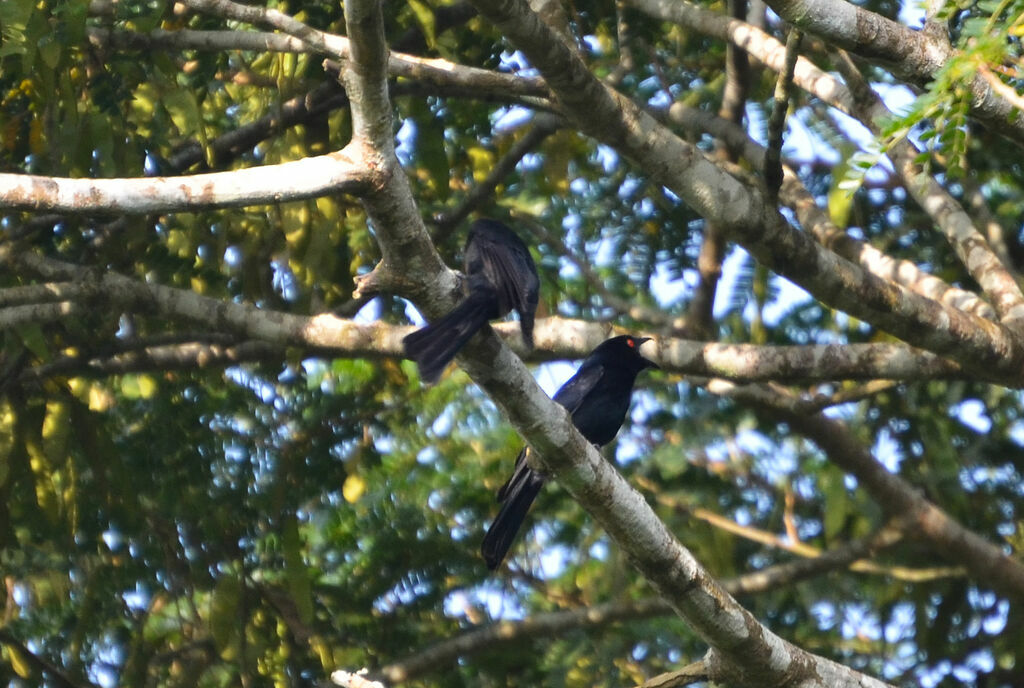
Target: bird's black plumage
column 501, row 277
column 597, row 398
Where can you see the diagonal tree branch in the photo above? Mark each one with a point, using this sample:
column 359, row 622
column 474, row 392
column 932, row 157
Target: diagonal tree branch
column 554, row 624
column 544, row 125
column 741, row 211
column 743, row 650
column 41, row 664
column 777, row 119
column 816, row 220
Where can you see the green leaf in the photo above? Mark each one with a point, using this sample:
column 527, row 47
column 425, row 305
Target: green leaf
column 431, row 151
column 49, row 51
column 224, row 621
column 19, row 662
column 138, row 386
column 33, row 338
column 296, row 572
column 847, row 179
column 836, row 502
column 425, row 18
column 14, row 16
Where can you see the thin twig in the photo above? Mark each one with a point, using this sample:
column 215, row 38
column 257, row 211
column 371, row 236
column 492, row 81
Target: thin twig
column 41, row 664
column 544, row 125
column 984, row 561
column 777, row 121
column 691, row 673
column 675, row 326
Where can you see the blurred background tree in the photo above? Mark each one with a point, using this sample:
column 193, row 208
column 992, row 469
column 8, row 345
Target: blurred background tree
column 182, row 505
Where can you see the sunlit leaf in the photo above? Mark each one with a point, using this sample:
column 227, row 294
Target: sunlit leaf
column 353, row 488
column 19, row 662
column 425, row 18
column 138, row 386
column 299, row 584
column 224, row 615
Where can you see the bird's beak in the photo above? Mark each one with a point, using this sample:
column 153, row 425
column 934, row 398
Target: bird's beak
column 639, row 343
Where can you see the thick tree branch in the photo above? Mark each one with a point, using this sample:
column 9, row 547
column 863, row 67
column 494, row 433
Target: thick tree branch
column 300, row 38
column 741, row 361
column 34, row 314
column 341, row 172
column 410, row 264
column 983, row 216
column 912, row 55
column 553, row 624
column 816, row 220
column 742, row 212
column 555, row 338
column 33, row 294
column 272, row 327
column 425, row 69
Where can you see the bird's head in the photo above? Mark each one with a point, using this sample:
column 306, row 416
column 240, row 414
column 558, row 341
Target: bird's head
column 625, row 350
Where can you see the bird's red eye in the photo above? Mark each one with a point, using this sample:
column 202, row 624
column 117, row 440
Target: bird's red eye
column 630, row 343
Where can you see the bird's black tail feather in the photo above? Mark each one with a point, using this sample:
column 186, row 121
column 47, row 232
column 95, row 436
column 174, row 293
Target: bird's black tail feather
column 434, row 346
column 515, row 496
column 526, row 327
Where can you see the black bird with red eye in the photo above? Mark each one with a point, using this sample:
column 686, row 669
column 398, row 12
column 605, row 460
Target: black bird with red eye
column 597, row 398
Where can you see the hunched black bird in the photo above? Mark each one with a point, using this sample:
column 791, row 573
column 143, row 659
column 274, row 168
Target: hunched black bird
column 597, row 398
column 501, row 277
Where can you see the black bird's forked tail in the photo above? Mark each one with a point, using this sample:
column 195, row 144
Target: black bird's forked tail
column 515, row 496
column 434, row 346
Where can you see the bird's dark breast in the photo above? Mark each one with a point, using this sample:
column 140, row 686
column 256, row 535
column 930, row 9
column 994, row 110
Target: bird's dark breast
column 599, row 417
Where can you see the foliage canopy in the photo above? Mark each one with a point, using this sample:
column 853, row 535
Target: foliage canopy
column 186, row 503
